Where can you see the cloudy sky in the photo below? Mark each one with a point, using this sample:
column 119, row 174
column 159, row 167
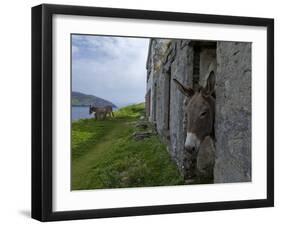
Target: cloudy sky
column 112, row 68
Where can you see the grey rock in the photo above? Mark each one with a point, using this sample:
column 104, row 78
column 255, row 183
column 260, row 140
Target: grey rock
column 142, row 124
column 142, row 135
column 233, row 113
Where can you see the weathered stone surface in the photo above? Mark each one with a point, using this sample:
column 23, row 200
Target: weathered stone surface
column 157, row 55
column 142, row 135
column 233, row 112
column 181, row 69
column 142, row 124
column 207, row 64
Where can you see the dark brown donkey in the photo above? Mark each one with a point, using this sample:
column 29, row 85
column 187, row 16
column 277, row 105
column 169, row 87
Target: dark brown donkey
column 200, row 113
column 101, row 112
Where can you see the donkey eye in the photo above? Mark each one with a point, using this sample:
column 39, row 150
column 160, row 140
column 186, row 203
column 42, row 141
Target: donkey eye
column 203, row 114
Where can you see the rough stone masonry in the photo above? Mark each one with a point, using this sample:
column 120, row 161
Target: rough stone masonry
column 190, row 62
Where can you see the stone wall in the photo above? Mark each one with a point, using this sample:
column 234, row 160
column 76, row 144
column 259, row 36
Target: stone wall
column 157, row 50
column 231, row 63
column 233, row 112
column 207, row 63
column 181, row 69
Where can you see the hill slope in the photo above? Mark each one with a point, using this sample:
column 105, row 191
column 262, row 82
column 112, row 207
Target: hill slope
column 81, row 99
column 105, row 154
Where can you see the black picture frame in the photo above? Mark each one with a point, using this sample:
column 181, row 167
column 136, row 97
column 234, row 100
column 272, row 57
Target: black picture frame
column 42, row 111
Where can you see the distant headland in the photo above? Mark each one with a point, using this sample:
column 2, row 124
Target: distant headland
column 81, row 99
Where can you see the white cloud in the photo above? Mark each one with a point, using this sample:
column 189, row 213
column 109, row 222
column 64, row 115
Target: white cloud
column 112, row 68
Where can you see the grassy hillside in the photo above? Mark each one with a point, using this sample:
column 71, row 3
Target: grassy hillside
column 106, row 155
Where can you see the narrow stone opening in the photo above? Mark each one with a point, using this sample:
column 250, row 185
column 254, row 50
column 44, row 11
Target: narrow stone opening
column 196, row 66
column 168, row 77
column 154, row 102
column 148, row 103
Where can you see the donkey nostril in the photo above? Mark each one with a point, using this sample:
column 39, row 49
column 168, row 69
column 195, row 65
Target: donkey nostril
column 190, row 150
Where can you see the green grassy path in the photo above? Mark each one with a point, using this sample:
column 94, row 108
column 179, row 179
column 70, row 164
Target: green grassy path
column 83, row 166
column 105, row 155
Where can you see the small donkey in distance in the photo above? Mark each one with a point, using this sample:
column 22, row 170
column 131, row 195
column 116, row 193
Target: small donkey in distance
column 101, row 112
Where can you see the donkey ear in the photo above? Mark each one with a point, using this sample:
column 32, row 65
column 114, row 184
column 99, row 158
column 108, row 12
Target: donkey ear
column 210, row 84
column 187, row 91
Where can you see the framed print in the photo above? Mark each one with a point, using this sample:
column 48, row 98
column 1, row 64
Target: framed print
column 146, row 112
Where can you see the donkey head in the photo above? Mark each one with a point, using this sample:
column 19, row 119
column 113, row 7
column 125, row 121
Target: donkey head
column 91, row 109
column 200, row 113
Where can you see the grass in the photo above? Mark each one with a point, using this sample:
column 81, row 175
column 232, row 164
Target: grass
column 106, row 155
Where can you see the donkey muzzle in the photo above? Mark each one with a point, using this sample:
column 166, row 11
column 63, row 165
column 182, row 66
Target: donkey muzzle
column 192, row 143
